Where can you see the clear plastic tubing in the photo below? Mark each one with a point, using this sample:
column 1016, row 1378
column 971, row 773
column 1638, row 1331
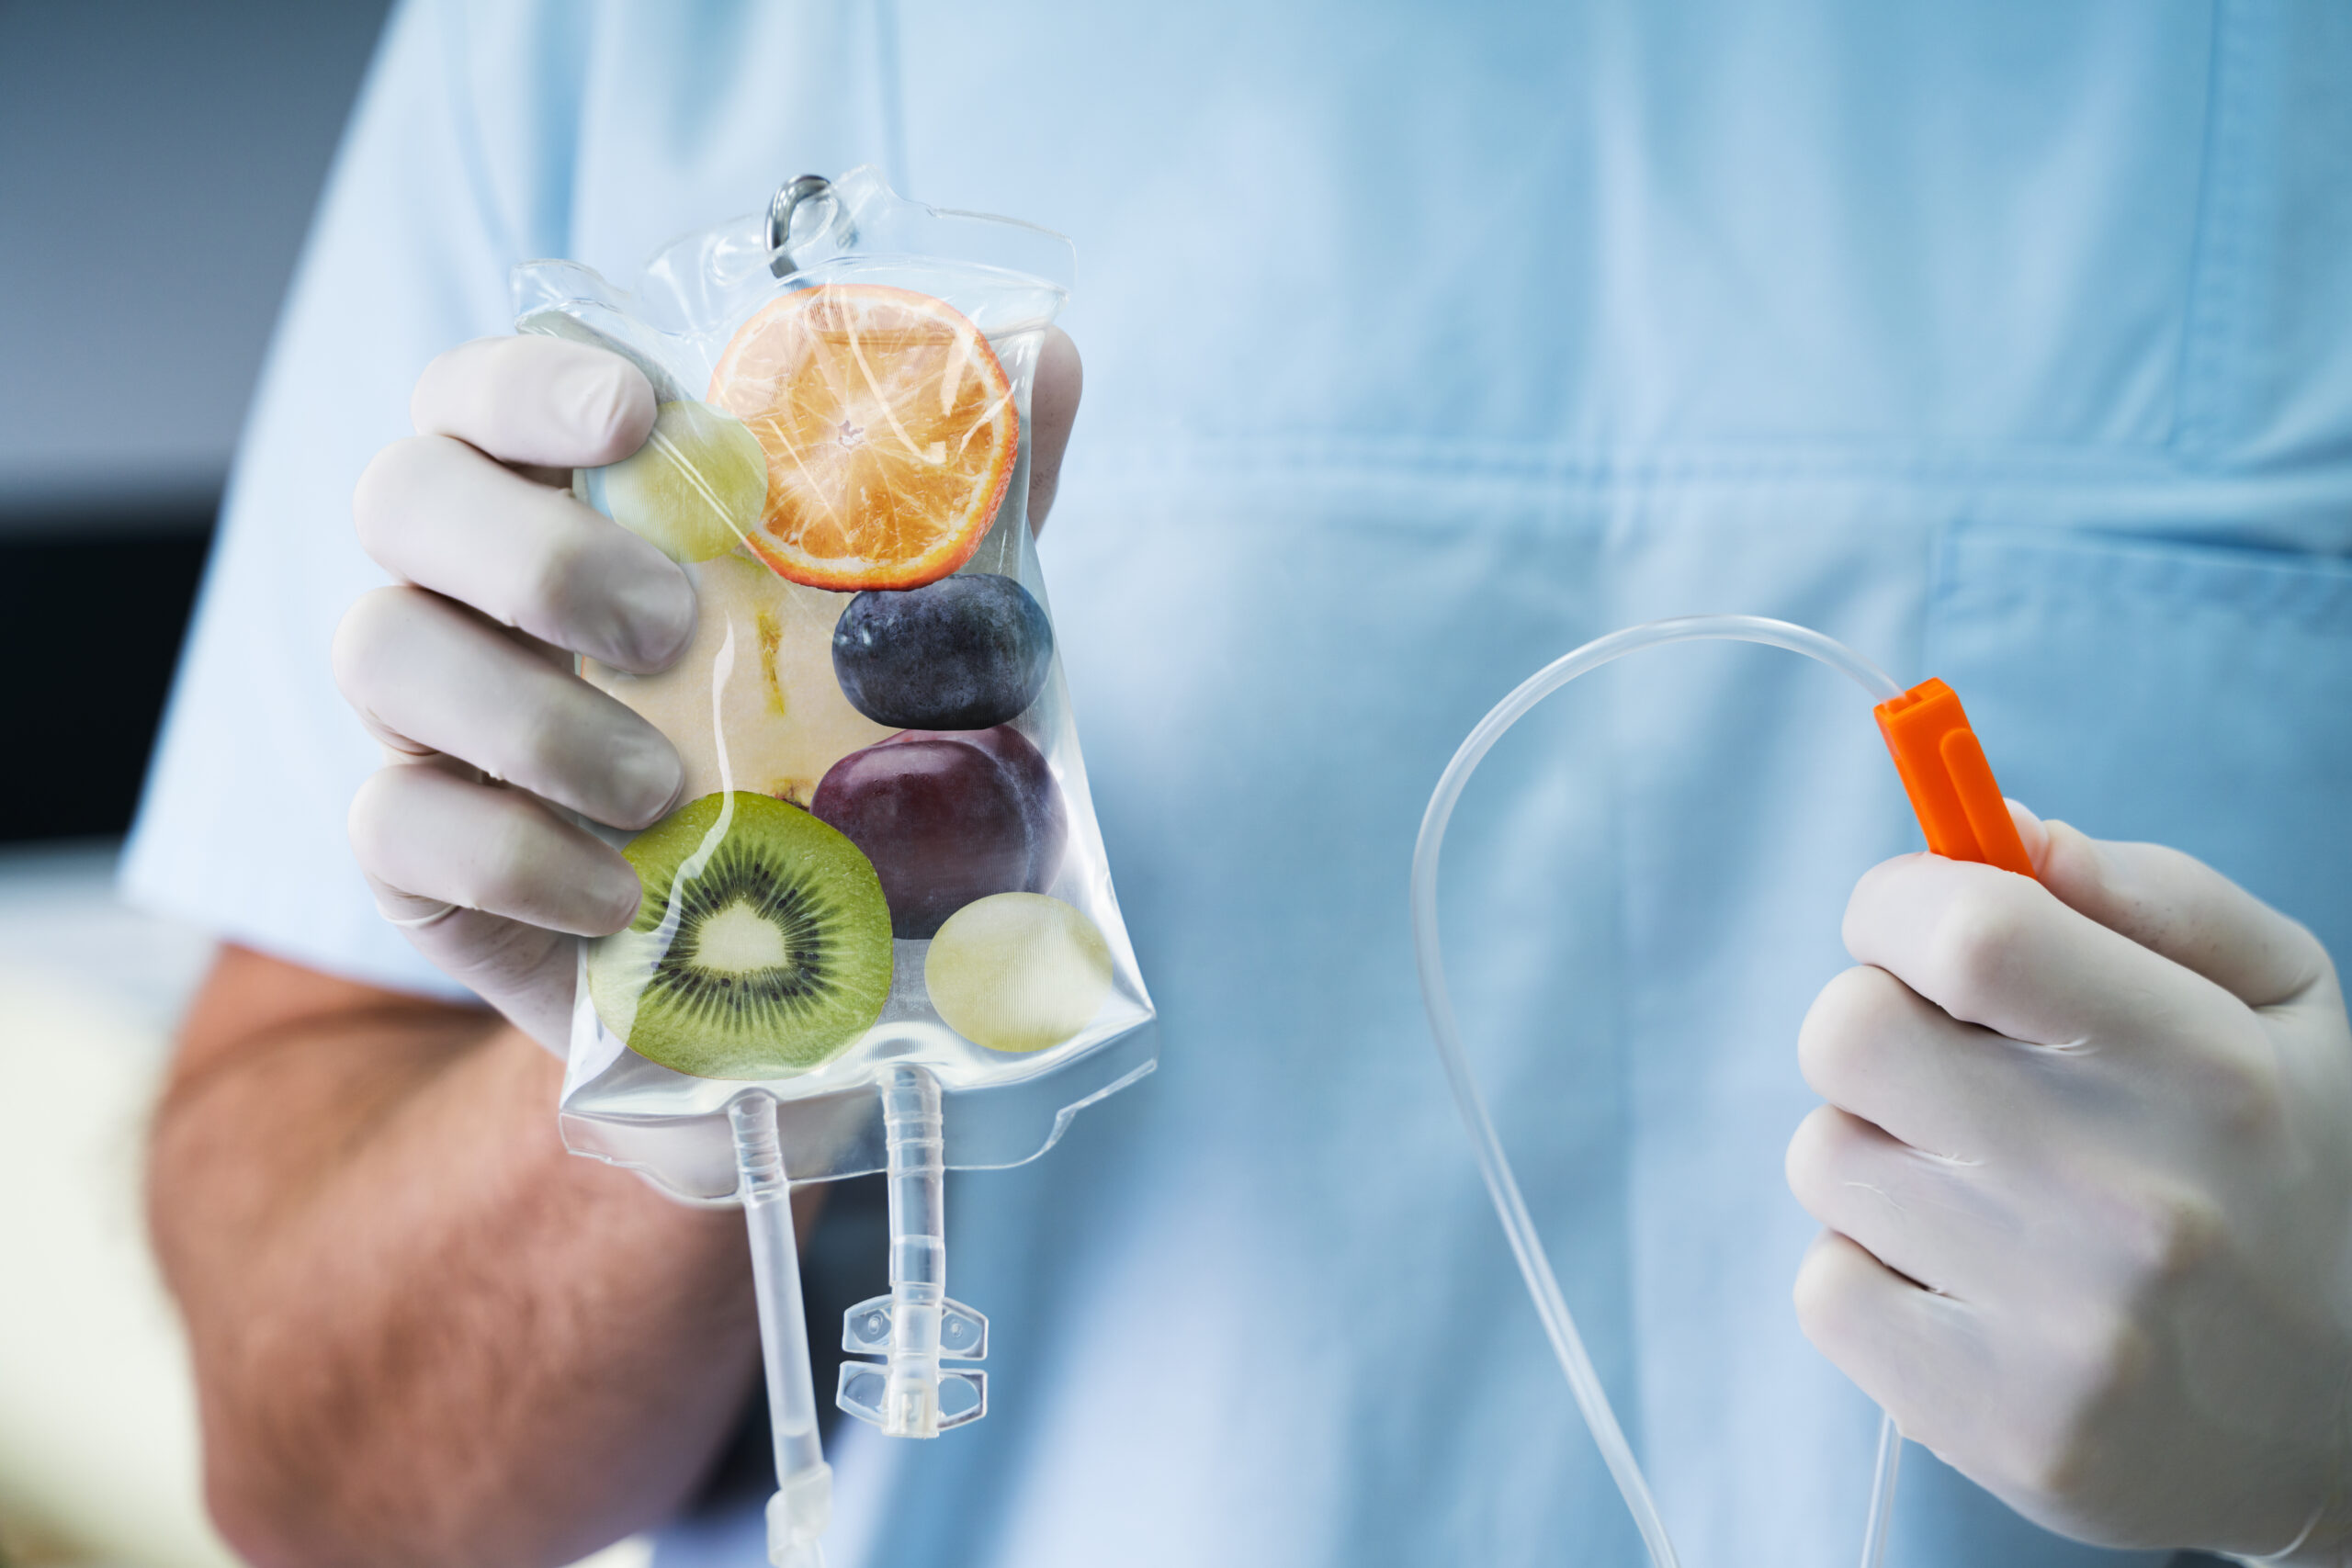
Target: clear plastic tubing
column 798, row 1512
column 913, row 1129
column 1525, row 1244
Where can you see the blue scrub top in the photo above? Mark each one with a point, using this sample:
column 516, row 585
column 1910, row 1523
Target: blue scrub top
column 2010, row 343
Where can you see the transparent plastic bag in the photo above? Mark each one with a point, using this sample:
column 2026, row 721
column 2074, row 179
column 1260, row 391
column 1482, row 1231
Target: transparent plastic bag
column 878, row 933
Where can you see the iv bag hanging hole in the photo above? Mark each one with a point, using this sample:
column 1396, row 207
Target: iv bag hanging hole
column 806, row 223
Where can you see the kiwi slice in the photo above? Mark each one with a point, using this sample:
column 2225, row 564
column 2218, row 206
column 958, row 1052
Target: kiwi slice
column 762, row 948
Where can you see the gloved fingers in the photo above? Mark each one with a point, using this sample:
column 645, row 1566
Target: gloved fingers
column 429, row 675
column 2177, row 906
column 430, row 835
column 1053, row 409
column 1945, row 1223
column 539, row 400
column 1872, row 1046
column 1993, row 947
column 436, row 513
column 1959, row 1157
column 2058, row 1405
column 1923, row 1357
column 525, row 972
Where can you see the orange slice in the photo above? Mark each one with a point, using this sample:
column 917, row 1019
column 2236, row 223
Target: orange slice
column 890, row 431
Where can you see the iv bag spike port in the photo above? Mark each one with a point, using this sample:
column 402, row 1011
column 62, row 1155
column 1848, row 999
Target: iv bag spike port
column 1951, row 785
column 915, row 1326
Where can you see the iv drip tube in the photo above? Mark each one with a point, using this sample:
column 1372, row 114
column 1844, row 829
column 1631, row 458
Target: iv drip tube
column 1509, row 1207
column 798, row 1511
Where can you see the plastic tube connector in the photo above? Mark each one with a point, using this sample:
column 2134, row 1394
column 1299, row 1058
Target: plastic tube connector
column 1951, row 785
column 915, row 1325
column 797, row 1518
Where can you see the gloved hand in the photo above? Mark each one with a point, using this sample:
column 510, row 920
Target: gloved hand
column 2087, row 1171
column 464, row 671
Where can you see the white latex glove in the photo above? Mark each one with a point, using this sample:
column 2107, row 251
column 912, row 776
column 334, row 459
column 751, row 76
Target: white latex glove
column 2087, row 1168
column 464, row 671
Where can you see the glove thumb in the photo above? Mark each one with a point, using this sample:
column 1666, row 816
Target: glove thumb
column 2177, row 906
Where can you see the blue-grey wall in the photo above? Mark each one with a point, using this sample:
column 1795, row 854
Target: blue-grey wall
column 158, row 164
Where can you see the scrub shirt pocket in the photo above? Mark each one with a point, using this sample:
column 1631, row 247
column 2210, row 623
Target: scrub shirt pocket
column 2195, row 695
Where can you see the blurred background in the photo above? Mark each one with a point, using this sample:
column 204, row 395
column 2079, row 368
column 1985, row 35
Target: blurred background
column 158, row 165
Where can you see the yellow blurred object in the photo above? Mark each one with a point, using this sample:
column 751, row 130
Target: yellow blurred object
column 97, row 1419
column 99, row 1453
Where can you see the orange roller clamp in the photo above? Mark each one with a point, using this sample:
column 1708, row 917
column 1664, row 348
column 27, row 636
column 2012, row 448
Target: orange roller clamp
column 1950, row 784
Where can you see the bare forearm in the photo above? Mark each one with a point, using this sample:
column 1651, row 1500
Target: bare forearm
column 422, row 1331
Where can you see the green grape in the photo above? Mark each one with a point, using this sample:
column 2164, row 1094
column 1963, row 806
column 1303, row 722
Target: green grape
column 1017, row 972
column 695, row 488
